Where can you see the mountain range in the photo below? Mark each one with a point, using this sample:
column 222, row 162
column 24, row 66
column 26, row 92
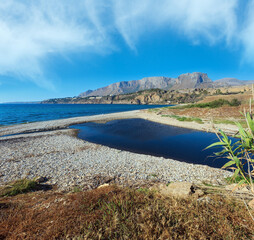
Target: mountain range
column 184, row 81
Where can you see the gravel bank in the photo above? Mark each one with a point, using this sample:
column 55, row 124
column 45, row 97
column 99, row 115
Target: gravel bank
column 68, row 161
column 64, row 123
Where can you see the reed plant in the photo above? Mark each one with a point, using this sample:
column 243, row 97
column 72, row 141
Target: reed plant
column 240, row 153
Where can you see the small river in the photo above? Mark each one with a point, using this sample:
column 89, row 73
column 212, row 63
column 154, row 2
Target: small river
column 146, row 137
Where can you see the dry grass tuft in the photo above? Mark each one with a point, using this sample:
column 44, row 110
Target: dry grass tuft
column 18, row 187
column 115, row 213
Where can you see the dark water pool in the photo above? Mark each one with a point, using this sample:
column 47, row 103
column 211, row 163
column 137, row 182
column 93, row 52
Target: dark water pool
column 142, row 136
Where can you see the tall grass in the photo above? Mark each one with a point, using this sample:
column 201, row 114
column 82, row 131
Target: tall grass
column 184, row 119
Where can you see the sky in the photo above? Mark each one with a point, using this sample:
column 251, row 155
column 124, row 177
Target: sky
column 60, row 48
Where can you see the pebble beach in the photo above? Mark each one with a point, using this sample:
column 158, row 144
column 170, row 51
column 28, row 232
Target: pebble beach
column 65, row 161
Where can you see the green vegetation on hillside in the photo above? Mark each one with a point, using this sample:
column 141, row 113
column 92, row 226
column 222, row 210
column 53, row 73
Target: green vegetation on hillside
column 214, row 104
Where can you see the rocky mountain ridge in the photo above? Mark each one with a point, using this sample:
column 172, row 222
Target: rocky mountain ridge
column 189, row 87
column 155, row 96
column 184, row 81
column 194, row 80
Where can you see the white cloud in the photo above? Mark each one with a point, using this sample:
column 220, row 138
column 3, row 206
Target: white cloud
column 247, row 34
column 211, row 20
column 31, row 31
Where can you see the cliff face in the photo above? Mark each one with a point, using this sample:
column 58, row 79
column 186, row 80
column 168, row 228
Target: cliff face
column 184, row 81
column 192, row 80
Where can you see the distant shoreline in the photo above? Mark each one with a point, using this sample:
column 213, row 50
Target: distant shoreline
column 114, row 103
column 144, row 114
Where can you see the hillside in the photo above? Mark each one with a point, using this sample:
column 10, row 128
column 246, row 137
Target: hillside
column 184, row 81
column 187, row 88
column 153, row 96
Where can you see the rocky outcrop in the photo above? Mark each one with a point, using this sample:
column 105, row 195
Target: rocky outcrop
column 180, row 190
column 192, row 80
column 251, row 204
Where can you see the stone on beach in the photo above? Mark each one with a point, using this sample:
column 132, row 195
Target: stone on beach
column 180, row 189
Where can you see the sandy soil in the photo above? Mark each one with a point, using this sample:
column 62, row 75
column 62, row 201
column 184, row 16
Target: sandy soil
column 206, row 126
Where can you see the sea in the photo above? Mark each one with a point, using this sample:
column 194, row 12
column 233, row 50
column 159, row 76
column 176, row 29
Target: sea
column 25, row 113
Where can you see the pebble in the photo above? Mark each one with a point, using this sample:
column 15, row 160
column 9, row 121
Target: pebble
column 66, row 161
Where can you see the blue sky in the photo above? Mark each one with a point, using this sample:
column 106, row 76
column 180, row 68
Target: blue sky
column 60, row 48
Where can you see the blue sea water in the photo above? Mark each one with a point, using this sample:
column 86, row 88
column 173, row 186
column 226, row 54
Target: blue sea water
column 23, row 113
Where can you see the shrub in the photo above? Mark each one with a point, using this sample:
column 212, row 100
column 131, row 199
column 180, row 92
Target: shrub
column 218, row 91
column 235, row 102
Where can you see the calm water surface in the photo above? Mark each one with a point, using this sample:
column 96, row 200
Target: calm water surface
column 142, row 136
column 23, row 113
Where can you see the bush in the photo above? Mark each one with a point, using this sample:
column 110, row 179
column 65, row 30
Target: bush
column 235, row 102
column 218, row 91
